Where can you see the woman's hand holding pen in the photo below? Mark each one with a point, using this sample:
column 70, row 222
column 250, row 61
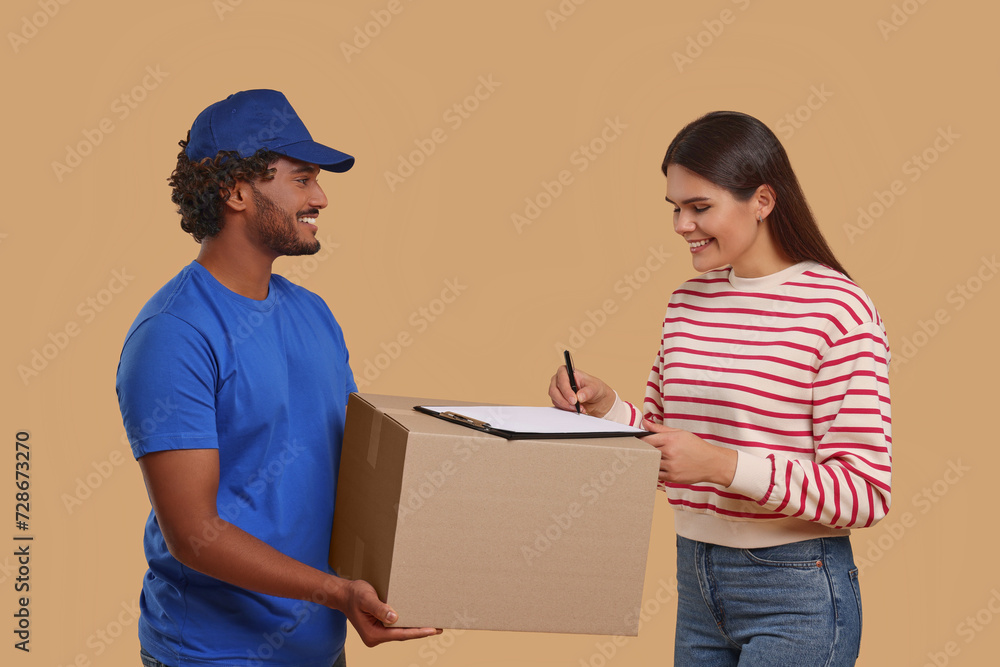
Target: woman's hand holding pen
column 687, row 459
column 595, row 396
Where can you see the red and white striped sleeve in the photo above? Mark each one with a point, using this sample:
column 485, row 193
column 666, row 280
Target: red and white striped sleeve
column 625, row 412
column 652, row 404
column 848, row 485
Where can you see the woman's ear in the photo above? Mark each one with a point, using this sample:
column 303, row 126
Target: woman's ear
column 763, row 201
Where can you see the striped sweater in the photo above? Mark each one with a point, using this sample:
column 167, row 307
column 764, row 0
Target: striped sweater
column 791, row 371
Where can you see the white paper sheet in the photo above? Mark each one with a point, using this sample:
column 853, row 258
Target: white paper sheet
column 527, row 419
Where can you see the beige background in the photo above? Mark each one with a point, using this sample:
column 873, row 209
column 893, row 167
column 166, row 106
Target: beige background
column 879, row 97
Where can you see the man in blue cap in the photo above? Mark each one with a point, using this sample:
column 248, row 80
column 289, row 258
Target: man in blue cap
column 233, row 385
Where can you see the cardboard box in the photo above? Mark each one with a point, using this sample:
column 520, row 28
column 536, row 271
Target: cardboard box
column 459, row 529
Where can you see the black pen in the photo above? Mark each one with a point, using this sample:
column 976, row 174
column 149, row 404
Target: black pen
column 572, row 378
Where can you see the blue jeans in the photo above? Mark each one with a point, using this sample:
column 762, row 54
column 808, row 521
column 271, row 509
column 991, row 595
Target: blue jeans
column 150, row 661
column 796, row 604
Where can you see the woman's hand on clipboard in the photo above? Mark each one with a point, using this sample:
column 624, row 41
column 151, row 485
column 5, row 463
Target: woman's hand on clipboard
column 687, row 459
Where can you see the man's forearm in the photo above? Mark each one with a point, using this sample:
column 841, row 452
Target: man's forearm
column 221, row 550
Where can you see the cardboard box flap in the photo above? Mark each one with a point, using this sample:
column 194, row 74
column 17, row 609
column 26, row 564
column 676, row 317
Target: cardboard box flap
column 370, row 498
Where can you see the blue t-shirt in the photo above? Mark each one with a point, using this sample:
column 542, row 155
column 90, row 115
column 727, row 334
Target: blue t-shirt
column 266, row 383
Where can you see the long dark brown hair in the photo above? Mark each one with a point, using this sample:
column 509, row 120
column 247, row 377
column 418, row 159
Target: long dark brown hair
column 739, row 153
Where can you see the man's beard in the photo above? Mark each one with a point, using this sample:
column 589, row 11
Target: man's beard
column 278, row 230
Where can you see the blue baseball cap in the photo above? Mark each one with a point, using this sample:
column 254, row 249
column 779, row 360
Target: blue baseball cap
column 253, row 119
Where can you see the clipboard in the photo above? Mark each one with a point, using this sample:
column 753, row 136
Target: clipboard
column 529, row 423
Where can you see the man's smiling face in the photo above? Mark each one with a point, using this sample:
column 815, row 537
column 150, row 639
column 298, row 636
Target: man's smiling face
column 285, row 208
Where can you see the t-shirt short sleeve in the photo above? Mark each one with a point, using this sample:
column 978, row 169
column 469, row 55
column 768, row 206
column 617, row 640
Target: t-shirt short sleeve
column 166, row 386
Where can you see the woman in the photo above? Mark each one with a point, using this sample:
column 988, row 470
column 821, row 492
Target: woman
column 769, row 403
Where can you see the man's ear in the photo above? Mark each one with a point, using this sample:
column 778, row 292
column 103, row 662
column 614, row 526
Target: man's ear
column 239, row 196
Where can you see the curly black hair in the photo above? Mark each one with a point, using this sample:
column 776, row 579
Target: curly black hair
column 202, row 188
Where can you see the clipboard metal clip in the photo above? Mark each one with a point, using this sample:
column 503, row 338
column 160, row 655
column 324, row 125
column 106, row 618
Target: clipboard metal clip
column 475, row 423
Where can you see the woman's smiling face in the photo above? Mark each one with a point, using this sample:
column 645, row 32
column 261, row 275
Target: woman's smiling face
column 721, row 229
